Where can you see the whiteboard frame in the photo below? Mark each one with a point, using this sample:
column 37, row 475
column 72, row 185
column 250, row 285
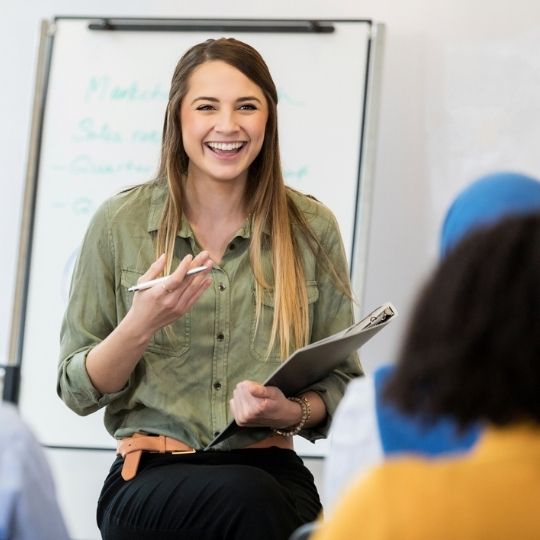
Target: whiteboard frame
column 10, row 391
column 366, row 165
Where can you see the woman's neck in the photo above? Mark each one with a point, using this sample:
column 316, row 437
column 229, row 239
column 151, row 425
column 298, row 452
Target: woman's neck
column 215, row 211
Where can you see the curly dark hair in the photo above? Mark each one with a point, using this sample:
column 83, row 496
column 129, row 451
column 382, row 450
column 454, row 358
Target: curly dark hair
column 472, row 350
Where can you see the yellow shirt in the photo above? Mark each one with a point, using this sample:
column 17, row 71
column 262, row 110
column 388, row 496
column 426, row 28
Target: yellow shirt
column 492, row 493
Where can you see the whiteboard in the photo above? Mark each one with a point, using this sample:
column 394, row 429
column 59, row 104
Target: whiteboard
column 103, row 105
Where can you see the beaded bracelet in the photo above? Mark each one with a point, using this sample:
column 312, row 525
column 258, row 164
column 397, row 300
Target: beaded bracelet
column 306, row 413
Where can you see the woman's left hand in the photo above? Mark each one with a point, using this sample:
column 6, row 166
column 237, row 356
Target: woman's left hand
column 255, row 405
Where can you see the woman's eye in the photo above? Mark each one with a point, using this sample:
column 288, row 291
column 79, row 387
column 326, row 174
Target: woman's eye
column 205, row 108
column 248, row 107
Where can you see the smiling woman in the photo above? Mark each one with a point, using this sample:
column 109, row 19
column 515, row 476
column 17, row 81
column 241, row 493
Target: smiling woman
column 175, row 362
column 223, row 117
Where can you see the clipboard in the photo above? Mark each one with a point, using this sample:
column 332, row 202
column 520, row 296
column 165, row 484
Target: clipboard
column 311, row 363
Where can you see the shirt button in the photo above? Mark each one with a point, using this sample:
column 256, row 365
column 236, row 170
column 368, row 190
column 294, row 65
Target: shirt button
column 232, row 246
column 221, row 287
column 216, row 433
column 220, row 337
column 217, row 385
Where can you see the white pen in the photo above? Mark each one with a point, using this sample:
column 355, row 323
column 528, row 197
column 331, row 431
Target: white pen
column 152, row 282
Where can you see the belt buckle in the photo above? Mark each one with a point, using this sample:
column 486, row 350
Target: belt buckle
column 191, row 451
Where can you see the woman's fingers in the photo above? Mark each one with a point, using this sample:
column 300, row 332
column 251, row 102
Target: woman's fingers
column 154, row 269
column 254, row 404
column 179, row 281
column 249, row 403
column 172, row 298
column 176, row 278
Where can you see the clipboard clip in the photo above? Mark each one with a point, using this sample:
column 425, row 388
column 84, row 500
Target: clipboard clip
column 382, row 316
column 375, row 318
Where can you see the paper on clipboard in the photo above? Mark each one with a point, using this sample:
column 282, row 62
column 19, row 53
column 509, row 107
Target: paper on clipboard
column 311, row 363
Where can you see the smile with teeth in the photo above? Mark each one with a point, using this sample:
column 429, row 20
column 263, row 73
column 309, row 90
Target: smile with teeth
column 230, row 147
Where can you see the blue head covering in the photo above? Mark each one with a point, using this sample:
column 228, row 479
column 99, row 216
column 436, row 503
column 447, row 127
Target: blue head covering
column 487, row 200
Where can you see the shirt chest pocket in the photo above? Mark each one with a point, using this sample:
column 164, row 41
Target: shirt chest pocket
column 175, row 338
column 262, row 330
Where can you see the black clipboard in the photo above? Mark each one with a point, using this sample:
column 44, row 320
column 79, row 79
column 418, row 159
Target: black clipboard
column 311, row 363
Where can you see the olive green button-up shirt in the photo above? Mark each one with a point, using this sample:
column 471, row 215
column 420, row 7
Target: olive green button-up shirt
column 182, row 384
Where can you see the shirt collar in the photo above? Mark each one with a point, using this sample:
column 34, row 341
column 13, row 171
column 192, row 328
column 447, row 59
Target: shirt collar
column 159, row 195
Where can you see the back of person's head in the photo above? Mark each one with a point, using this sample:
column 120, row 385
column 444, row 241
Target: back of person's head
column 472, row 349
column 487, row 200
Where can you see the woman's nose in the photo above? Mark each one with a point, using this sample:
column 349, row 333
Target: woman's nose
column 226, row 122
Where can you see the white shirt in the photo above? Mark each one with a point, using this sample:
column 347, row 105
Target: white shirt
column 355, row 444
column 28, row 506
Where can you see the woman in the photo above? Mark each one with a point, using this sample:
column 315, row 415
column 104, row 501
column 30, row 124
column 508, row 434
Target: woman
column 471, row 353
column 169, row 361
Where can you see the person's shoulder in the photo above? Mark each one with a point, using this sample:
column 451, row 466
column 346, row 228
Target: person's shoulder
column 140, row 195
column 132, row 202
column 424, row 473
column 308, row 204
column 359, row 383
column 13, row 427
column 8, row 415
column 315, row 212
column 381, row 372
column 380, row 494
column 355, row 419
column 390, row 479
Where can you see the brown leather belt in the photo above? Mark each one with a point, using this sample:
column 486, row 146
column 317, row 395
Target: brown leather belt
column 131, row 449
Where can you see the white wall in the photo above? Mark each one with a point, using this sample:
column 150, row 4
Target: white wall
column 460, row 98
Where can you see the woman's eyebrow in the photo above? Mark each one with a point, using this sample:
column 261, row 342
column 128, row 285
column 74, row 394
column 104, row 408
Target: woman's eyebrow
column 205, row 98
column 216, row 100
column 248, row 98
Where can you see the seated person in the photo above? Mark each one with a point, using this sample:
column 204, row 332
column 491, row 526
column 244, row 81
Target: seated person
column 471, row 352
column 28, row 506
column 366, row 429
column 173, row 364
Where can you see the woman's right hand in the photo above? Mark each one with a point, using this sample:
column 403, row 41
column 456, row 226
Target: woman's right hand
column 164, row 303
column 110, row 363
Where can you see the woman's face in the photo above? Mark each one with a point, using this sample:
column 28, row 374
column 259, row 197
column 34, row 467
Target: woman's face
column 223, row 118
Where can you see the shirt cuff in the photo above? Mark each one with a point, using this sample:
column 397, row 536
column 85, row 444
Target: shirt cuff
column 80, row 394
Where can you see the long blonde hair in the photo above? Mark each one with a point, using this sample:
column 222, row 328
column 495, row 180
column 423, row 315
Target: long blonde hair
column 270, row 206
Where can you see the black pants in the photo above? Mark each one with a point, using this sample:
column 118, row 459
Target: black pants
column 255, row 494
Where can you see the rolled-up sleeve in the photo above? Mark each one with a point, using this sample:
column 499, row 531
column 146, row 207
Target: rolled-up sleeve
column 333, row 312
column 89, row 318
